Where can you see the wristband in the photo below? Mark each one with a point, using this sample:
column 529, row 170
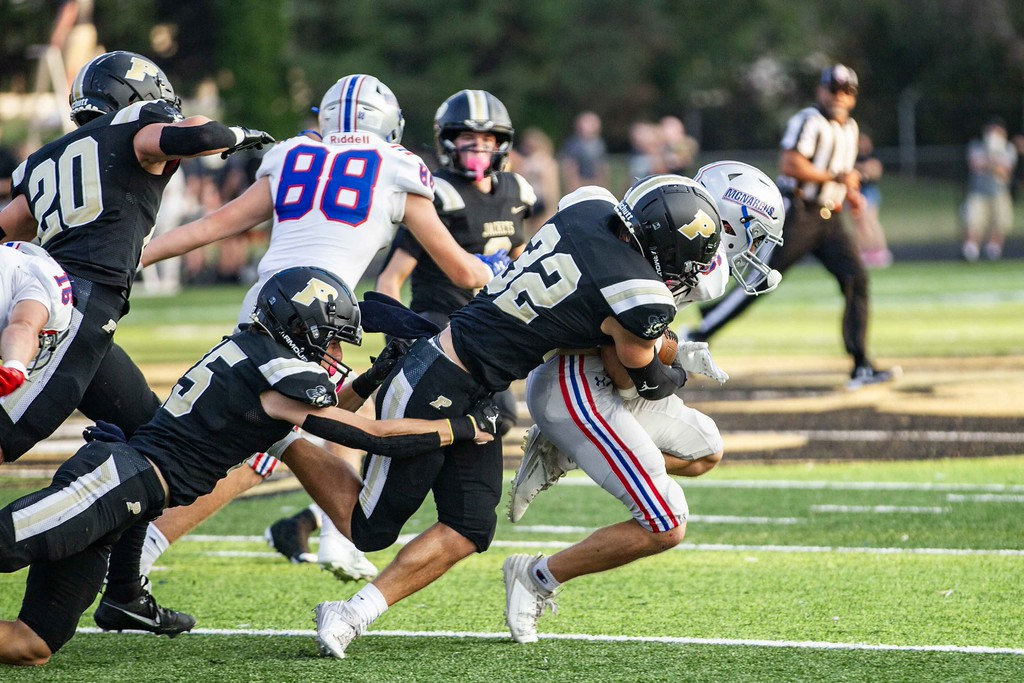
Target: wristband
column 16, row 365
column 463, row 428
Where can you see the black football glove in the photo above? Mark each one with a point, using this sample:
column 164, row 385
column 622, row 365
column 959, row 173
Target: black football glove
column 487, row 417
column 104, row 431
column 389, row 357
column 247, row 138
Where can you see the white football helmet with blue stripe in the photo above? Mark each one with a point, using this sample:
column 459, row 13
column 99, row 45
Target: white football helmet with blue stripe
column 361, row 103
column 752, row 216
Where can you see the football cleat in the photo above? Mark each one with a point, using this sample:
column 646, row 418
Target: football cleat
column 863, row 375
column 289, row 538
column 336, row 627
column 141, row 614
column 339, row 556
column 525, row 601
column 542, row 465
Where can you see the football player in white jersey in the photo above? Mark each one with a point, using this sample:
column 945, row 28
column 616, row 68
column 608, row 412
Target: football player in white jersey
column 630, row 444
column 334, row 203
column 35, row 313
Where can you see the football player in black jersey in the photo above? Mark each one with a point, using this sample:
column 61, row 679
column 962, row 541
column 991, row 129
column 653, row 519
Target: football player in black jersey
column 482, row 205
column 245, row 394
column 598, row 273
column 90, row 198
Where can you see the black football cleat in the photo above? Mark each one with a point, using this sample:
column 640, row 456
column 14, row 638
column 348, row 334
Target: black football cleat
column 141, row 614
column 290, row 538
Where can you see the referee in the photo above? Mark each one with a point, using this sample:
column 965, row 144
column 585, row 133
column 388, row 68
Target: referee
column 819, row 150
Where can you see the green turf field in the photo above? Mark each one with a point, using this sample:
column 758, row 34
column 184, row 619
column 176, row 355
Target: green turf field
column 864, row 572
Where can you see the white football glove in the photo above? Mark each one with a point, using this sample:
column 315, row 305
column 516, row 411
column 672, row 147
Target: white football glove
column 695, row 357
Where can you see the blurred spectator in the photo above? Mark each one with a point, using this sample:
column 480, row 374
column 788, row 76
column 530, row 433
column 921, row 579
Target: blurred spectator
column 679, row 150
column 534, row 159
column 869, row 236
column 1017, row 183
column 988, row 208
column 584, row 155
column 164, row 278
column 646, row 157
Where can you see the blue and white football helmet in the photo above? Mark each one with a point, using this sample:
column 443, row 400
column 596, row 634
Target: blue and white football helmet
column 752, row 216
column 361, row 103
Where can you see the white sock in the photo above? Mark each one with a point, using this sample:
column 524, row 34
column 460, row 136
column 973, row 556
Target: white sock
column 318, row 514
column 542, row 576
column 155, row 545
column 368, row 604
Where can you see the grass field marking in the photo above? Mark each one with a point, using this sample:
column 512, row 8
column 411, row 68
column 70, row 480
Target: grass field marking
column 984, row 498
column 667, row 640
column 684, row 546
column 898, row 435
column 880, row 509
column 824, row 485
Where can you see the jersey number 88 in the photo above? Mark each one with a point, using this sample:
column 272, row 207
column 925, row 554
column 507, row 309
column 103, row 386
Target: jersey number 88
column 347, row 188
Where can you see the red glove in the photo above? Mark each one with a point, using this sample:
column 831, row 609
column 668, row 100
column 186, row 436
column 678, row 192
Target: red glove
column 11, row 377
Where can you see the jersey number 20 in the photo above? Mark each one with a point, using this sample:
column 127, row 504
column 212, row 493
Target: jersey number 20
column 67, row 189
column 347, row 188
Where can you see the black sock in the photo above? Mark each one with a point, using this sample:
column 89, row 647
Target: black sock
column 123, row 581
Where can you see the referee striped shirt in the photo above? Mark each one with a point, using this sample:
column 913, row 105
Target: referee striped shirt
column 829, row 145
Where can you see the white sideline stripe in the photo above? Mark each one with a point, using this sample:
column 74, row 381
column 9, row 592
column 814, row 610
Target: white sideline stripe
column 896, row 435
column 684, row 546
column 667, row 640
column 984, row 498
column 880, row 509
column 824, row 485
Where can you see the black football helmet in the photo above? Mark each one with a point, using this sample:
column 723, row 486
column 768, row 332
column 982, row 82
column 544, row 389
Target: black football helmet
column 477, row 111
column 305, row 309
column 114, row 80
column 675, row 224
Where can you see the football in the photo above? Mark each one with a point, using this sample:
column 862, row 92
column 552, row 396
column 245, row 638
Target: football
column 668, row 347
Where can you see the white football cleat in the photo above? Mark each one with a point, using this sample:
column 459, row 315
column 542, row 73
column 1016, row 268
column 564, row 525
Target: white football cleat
column 525, row 601
column 342, row 558
column 336, row 627
column 542, row 465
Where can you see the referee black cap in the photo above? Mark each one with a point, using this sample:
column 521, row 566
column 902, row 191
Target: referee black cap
column 840, row 77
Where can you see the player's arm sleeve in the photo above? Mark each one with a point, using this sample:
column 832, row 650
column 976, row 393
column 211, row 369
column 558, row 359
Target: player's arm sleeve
column 653, row 379
column 394, row 446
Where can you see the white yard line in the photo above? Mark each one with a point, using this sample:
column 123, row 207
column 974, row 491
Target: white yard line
column 895, row 435
column 880, row 509
column 667, row 640
column 984, row 498
column 684, row 546
column 824, row 485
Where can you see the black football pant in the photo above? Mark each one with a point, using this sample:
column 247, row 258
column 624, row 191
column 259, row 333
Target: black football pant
column 806, row 231
column 64, row 533
column 465, row 478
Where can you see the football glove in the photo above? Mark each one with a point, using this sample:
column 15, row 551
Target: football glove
column 12, row 376
column 103, row 431
column 695, row 357
column 486, row 416
column 389, row 357
column 497, row 261
column 247, row 138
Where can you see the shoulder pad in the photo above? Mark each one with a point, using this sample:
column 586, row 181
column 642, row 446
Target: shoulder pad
column 146, row 113
column 303, row 381
column 586, row 193
column 446, row 197
column 527, row 195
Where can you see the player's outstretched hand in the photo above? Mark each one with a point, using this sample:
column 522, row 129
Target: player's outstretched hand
column 11, row 377
column 104, row 431
column 497, row 261
column 247, row 138
column 695, row 357
column 487, row 419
